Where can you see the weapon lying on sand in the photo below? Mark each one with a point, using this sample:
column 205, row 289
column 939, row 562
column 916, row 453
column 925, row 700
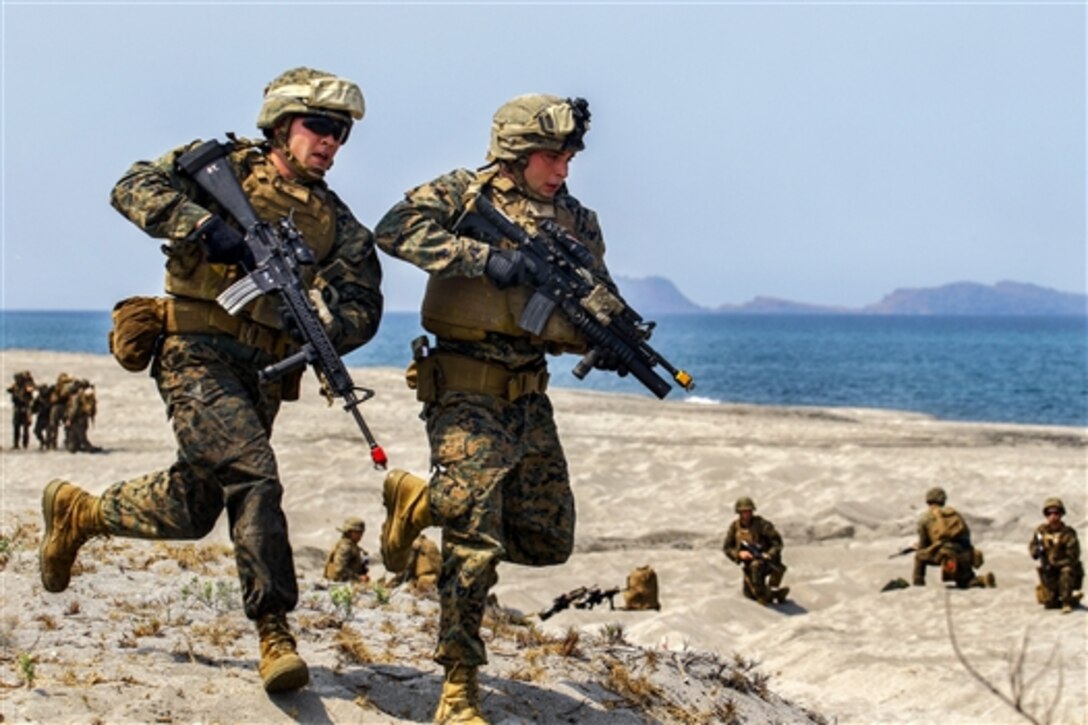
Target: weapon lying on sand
column 581, row 598
column 277, row 252
column 903, row 552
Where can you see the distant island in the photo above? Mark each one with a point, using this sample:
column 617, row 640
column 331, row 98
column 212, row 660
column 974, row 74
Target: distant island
column 658, row 296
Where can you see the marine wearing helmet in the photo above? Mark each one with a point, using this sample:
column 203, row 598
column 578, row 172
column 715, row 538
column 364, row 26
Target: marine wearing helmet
column 487, row 368
column 328, row 103
column 936, row 495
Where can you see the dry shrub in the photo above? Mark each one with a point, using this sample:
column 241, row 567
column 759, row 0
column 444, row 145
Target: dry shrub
column 569, row 646
column 529, row 673
column 320, row 621
column 148, row 628
column 47, row 622
column 638, row 690
column 72, row 609
column 352, row 647
column 726, row 712
column 221, row 633
column 742, row 676
column 8, row 626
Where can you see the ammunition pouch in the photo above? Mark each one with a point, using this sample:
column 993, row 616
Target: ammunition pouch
column 183, row 316
column 202, row 317
column 138, row 327
column 442, row 372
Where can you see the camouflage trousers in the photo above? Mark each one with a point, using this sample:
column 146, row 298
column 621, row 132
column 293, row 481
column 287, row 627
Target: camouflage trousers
column 955, row 563
column 501, row 492
column 75, row 435
column 20, row 425
column 222, row 418
column 760, row 577
column 1060, row 582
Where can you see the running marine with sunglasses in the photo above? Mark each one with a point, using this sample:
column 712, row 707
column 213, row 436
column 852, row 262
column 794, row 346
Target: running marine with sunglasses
column 205, row 362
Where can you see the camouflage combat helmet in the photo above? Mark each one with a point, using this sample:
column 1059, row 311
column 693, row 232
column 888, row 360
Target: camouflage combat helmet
column 309, row 91
column 936, row 495
column 538, row 121
column 1053, row 503
column 744, row 503
column 352, row 523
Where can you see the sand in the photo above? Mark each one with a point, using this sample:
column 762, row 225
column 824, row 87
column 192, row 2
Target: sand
column 655, row 484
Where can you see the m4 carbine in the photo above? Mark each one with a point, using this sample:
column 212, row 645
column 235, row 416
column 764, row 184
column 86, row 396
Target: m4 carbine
column 1038, row 551
column 563, row 279
column 278, row 252
column 581, row 598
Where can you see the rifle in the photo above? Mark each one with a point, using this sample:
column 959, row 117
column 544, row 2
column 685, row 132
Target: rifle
column 564, row 279
column 563, row 601
column 596, row 596
column 903, row 552
column 1038, row 551
column 278, row 252
column 581, row 598
column 757, row 553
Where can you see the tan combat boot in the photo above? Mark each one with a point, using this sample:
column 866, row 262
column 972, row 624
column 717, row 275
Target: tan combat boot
column 780, row 594
column 407, row 513
column 460, row 701
column 72, row 516
column 281, row 668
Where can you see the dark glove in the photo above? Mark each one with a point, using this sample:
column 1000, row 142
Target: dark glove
column 509, row 267
column 224, row 243
column 608, row 360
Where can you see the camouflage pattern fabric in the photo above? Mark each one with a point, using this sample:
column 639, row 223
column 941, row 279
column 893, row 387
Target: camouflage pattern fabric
column 40, row 409
column 22, row 398
column 1063, row 572
column 221, row 413
column 760, row 576
column 500, row 488
column 935, row 547
column 346, row 562
column 79, row 411
column 418, row 230
column 502, row 493
column 166, row 204
column 222, row 418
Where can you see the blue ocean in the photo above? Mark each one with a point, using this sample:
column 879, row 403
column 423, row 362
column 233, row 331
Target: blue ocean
column 997, row 369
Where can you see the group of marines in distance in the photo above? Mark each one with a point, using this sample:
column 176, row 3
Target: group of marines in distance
column 70, row 403
column 944, row 541
column 498, row 484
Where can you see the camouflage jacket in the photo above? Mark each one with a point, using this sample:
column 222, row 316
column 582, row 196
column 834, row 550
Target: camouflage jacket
column 165, row 203
column 346, row 561
column 760, row 532
column 1061, row 547
column 943, row 527
column 420, row 229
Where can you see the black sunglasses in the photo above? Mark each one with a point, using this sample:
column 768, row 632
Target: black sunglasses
column 325, row 126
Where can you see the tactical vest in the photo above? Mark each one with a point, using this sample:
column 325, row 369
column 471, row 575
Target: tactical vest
column 273, row 197
column 467, row 308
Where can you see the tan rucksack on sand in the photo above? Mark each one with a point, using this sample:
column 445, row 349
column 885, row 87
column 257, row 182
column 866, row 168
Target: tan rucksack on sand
column 641, row 592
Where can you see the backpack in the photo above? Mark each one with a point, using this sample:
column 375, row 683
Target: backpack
column 948, row 525
column 641, row 592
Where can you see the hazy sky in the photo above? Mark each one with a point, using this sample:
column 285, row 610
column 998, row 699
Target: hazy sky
column 820, row 152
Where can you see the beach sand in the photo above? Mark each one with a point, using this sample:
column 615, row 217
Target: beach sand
column 655, row 484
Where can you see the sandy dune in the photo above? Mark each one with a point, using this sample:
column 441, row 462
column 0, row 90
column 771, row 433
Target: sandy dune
column 655, row 483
